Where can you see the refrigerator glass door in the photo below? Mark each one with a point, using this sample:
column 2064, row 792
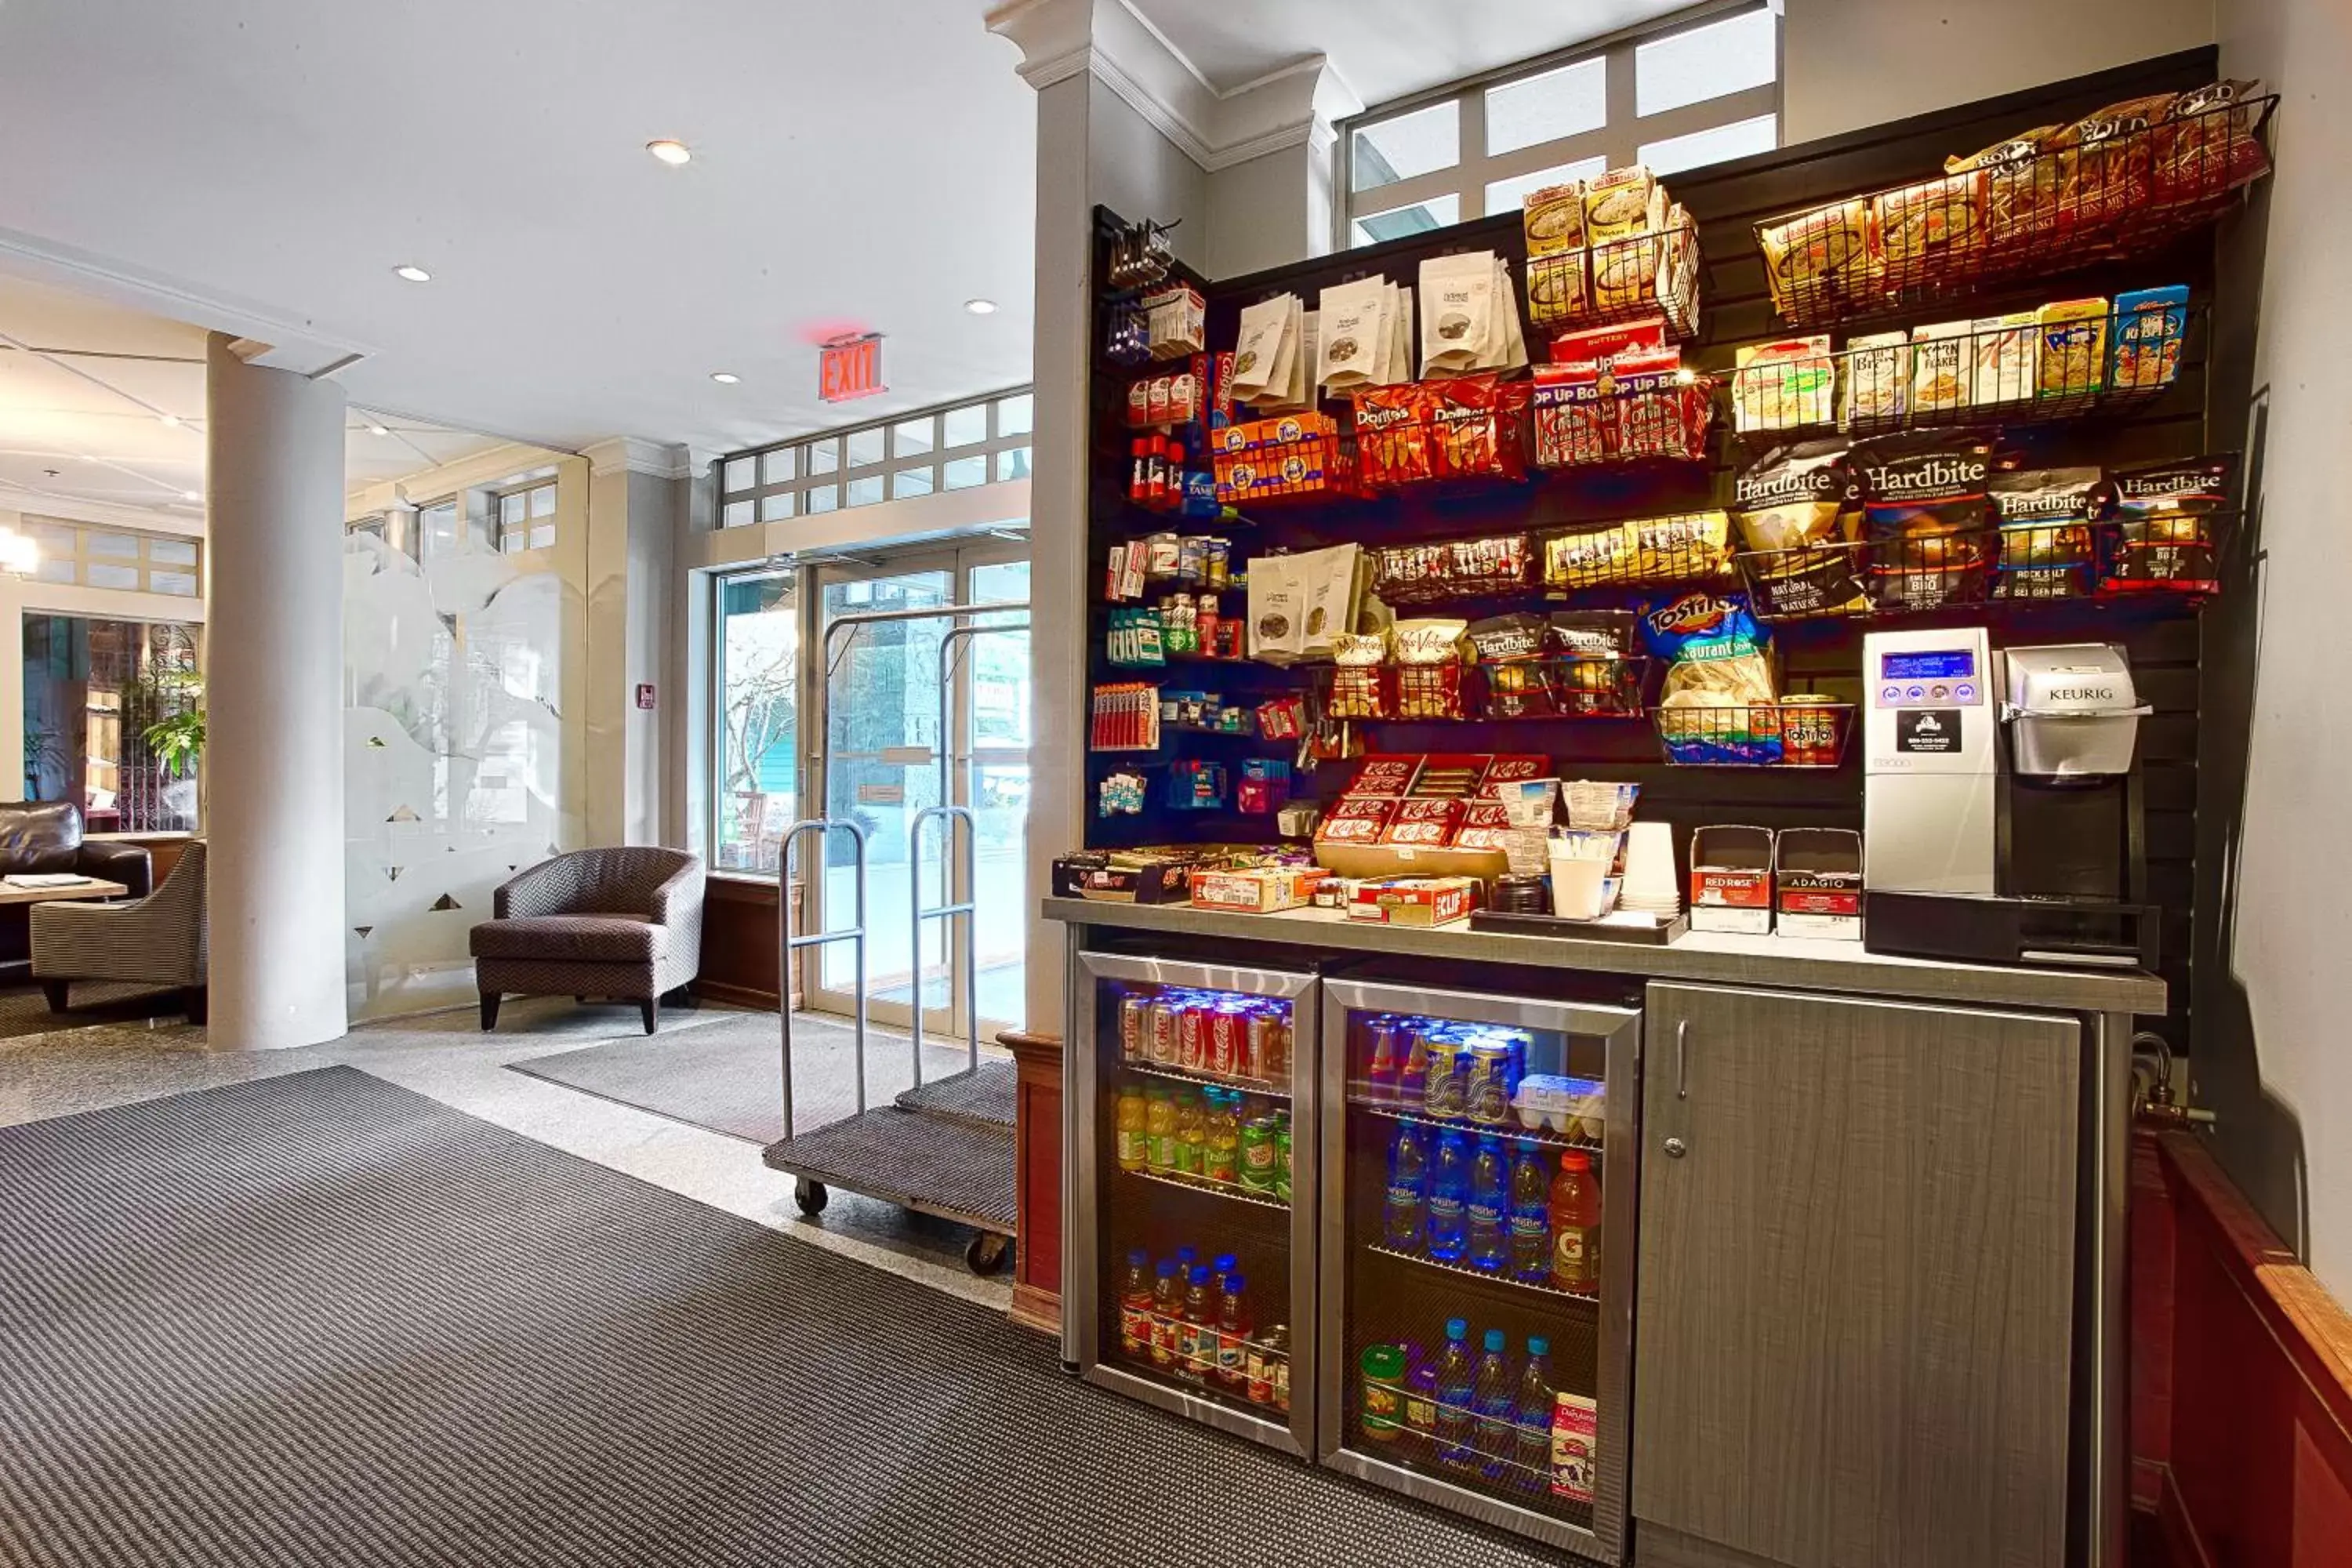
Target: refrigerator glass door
column 1194, row 1229
column 1478, row 1254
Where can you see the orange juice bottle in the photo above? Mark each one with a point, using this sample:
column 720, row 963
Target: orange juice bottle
column 1160, row 1129
column 1134, row 1140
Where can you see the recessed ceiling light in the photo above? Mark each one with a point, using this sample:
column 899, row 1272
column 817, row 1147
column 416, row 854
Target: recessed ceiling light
column 981, row 307
column 191, row 495
column 725, row 377
column 671, row 152
column 169, row 418
column 413, row 272
column 379, row 430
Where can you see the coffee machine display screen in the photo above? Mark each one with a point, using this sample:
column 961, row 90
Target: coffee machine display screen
column 1951, row 664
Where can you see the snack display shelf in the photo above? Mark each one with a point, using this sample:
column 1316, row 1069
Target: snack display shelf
column 1544, row 1136
column 1499, row 1281
column 2030, row 207
column 1210, row 1080
column 1782, row 734
column 1653, row 273
column 1233, row 1191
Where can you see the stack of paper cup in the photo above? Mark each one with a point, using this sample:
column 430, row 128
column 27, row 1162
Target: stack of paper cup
column 1651, row 886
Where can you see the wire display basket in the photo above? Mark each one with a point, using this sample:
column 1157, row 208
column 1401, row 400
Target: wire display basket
column 1312, row 468
column 1794, row 733
column 1453, row 569
column 1561, row 686
column 2121, row 183
column 1636, row 418
column 1637, row 554
column 1623, row 279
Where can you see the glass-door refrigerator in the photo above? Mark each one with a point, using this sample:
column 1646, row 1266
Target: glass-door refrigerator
column 1191, row 1233
column 1479, row 1158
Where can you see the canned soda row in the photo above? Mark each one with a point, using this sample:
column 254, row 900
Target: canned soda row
column 1217, row 1032
column 1442, row 1067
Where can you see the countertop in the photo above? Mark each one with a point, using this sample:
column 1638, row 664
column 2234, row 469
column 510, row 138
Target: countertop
column 1813, row 963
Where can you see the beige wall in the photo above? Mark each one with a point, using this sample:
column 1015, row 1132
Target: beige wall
column 1849, row 64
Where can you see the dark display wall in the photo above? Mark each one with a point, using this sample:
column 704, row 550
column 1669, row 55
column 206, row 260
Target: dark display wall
column 2161, row 636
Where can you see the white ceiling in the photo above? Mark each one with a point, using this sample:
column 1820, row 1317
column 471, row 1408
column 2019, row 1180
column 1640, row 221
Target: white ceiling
column 1385, row 48
column 264, row 164
column 85, row 390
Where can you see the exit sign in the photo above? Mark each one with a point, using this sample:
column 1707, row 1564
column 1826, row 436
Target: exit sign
column 850, row 368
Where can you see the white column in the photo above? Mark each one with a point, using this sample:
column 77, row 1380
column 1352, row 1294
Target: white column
column 273, row 691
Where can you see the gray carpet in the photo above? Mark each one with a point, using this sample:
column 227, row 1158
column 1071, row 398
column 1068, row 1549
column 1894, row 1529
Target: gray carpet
column 318, row 1321
column 725, row 1074
column 24, row 1010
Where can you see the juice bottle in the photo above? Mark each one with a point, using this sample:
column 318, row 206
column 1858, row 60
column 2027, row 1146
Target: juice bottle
column 1223, row 1266
column 1531, row 1462
column 1530, row 1219
column 1135, row 1305
column 1134, row 1139
column 1489, row 1206
column 1167, row 1301
column 1403, row 1221
column 1576, row 1225
column 1455, row 1379
column 1196, row 1340
column 1223, row 1162
column 1187, row 1133
column 1232, row 1335
column 1495, row 1401
column 1160, row 1127
column 1449, row 1195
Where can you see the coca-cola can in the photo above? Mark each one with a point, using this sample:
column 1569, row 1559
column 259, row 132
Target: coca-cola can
column 1135, row 1028
column 1163, row 1016
column 1268, row 1051
column 1228, row 1041
column 1191, row 1028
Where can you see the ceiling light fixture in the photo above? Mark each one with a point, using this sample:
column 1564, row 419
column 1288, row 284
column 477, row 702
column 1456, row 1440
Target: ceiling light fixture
column 981, row 307
column 171, row 419
column 379, row 430
column 20, row 555
column 671, row 152
column 414, row 273
column 725, row 377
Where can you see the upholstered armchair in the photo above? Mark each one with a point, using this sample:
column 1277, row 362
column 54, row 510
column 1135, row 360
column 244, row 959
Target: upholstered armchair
column 623, row 923
column 156, row 940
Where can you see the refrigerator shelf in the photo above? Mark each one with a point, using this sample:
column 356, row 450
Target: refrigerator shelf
column 1542, row 1136
column 1208, row 1079
column 1229, row 1190
column 1462, row 1271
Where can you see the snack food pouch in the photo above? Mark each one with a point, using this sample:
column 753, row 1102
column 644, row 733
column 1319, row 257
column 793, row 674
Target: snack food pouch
column 1796, row 510
column 2166, row 516
column 1718, row 701
column 2045, row 514
column 1923, row 499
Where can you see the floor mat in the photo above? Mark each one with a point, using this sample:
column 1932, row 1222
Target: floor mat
column 725, row 1075
column 318, row 1321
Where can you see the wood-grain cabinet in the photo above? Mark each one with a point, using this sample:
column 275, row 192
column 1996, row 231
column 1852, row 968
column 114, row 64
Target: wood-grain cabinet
column 1856, row 1298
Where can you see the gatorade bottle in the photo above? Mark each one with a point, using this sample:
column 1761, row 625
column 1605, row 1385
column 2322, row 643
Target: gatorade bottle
column 1134, row 1139
column 1454, row 1378
column 1232, row 1335
column 1576, row 1225
column 1189, row 1152
column 1402, row 1224
column 1530, row 1219
column 1167, row 1301
column 1449, row 1195
column 1494, row 1432
column 1196, row 1340
column 1160, row 1127
column 1489, row 1188
column 1531, row 1464
column 1135, row 1305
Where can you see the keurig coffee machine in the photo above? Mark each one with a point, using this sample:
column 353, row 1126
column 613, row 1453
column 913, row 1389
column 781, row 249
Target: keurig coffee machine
column 2061, row 847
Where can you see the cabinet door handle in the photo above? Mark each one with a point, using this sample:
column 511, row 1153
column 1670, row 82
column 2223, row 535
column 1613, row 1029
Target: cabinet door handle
column 1682, row 1058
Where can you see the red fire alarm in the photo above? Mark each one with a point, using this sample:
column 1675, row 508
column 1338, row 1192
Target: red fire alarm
column 645, row 694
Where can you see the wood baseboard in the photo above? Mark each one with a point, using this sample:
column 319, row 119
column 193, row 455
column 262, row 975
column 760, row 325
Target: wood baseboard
column 1036, row 1309
column 2183, row 1547
column 736, row 995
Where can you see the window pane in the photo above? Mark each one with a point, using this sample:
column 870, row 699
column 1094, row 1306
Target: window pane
column 180, row 583
column 1435, row 213
column 1421, row 143
column 779, row 466
column 967, row 426
column 542, row 502
column 910, row 482
column 511, row 508
column 91, row 688
column 966, row 472
column 823, row 456
column 438, row 531
column 912, row 438
column 511, row 542
column 775, row 507
column 759, row 698
column 1510, row 195
column 1013, row 464
column 865, row 449
column 1704, row 62
column 739, row 474
column 1700, row 148
column 59, row 569
column 1564, row 102
column 543, row 536
column 736, row 514
column 824, row 497
column 112, row 544
column 1014, row 415
column 865, row 491
column 105, row 576
column 173, row 551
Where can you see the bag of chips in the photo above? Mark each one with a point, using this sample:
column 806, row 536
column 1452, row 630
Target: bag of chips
column 1799, row 516
column 1719, row 702
column 1923, row 500
column 1594, row 674
column 1392, row 437
column 1429, row 660
column 2045, row 543
column 2167, row 517
column 1359, row 686
column 1510, row 651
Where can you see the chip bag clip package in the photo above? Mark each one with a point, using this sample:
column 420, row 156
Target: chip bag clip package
column 1719, row 701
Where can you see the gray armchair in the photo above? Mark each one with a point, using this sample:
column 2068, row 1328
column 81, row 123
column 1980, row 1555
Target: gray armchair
column 624, row 922
column 156, row 940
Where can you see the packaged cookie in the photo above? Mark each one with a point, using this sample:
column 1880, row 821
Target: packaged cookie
column 2070, row 348
column 1783, row 385
column 1923, row 500
column 2167, row 517
column 2045, row 541
column 1797, row 510
column 1876, row 388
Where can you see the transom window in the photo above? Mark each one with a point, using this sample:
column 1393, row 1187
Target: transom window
column 525, row 516
column 1701, row 89
column 963, row 444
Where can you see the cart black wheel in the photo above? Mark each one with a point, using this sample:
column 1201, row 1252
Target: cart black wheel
column 986, row 1253
column 810, row 1195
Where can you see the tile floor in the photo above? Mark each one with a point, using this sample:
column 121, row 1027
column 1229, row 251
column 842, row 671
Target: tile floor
column 445, row 1056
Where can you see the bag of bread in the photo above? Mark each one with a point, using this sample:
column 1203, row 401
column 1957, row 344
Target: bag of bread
column 1798, row 514
column 1819, row 260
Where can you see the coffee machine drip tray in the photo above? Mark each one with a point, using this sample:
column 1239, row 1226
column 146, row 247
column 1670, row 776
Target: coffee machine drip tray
column 1998, row 927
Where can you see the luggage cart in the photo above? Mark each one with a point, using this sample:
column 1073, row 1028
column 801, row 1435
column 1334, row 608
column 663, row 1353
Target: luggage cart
column 944, row 1148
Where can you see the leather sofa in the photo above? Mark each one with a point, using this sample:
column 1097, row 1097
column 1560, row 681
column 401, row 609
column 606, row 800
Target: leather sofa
column 45, row 837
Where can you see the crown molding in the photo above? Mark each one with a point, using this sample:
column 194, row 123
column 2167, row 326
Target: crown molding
column 635, row 454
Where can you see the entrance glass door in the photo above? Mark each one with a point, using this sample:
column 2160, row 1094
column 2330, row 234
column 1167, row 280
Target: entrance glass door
column 883, row 763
